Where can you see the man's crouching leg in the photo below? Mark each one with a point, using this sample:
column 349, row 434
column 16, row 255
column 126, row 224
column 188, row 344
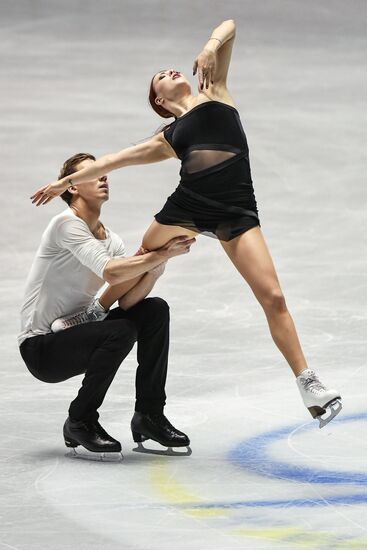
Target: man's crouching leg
column 95, row 349
column 82, row 426
column 151, row 317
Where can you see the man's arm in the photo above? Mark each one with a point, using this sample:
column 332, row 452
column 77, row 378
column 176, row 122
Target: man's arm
column 119, row 270
column 140, row 290
column 74, row 235
column 115, row 292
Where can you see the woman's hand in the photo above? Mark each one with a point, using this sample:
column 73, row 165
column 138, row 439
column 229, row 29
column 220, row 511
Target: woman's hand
column 205, row 64
column 48, row 192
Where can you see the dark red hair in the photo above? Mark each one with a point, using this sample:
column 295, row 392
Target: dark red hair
column 161, row 111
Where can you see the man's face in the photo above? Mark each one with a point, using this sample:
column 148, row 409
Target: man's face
column 94, row 190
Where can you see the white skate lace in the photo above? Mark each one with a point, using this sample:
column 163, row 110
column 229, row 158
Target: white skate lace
column 312, row 384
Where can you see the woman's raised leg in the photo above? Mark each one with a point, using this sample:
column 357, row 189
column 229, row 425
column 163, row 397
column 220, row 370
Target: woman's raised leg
column 156, row 236
column 251, row 257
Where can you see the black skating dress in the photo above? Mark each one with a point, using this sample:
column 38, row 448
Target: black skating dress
column 215, row 196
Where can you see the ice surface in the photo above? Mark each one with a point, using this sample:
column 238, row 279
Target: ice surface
column 262, row 475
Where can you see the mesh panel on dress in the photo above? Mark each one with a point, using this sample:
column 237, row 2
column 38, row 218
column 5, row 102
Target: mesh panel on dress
column 200, row 159
column 219, row 204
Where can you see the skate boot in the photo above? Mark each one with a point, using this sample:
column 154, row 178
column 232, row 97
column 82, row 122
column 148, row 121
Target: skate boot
column 92, row 437
column 318, row 398
column 157, row 427
column 94, row 312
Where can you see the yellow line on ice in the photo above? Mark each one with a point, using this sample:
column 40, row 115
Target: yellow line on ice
column 314, row 541
column 174, row 492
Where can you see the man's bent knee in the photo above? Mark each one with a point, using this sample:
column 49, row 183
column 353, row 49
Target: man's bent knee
column 157, row 306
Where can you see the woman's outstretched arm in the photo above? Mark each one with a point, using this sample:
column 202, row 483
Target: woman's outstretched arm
column 153, row 150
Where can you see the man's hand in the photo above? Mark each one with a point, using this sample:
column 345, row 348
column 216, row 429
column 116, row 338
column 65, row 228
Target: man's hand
column 158, row 270
column 175, row 247
column 141, row 251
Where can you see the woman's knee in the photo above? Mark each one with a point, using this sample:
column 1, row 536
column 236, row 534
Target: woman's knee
column 273, row 300
column 155, row 237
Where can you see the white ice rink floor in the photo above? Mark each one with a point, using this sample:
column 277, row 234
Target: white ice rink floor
column 74, row 77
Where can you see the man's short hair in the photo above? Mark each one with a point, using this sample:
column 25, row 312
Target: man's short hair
column 69, row 167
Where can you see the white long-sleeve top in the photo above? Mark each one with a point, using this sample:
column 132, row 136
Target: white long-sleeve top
column 66, row 272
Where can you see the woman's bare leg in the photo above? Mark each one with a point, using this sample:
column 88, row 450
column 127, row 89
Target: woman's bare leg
column 156, row 236
column 251, row 257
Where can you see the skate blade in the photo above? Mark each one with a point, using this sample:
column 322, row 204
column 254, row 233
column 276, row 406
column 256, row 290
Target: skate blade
column 334, row 408
column 84, row 454
column 165, row 452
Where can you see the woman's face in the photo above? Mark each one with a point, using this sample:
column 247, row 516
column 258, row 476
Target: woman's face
column 170, row 84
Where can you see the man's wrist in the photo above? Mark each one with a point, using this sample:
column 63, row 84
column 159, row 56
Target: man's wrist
column 162, row 254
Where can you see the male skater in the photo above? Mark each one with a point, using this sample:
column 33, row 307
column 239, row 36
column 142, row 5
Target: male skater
column 76, row 256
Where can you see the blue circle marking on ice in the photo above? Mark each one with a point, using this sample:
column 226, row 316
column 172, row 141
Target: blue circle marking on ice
column 282, row 503
column 252, row 455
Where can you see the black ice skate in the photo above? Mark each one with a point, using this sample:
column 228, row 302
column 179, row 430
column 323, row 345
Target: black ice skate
column 323, row 404
column 158, row 428
column 97, row 444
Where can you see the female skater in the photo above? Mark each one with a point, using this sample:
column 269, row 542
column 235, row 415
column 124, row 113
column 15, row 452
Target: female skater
column 215, row 195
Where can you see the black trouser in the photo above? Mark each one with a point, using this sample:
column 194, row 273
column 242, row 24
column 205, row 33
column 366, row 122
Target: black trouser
column 98, row 348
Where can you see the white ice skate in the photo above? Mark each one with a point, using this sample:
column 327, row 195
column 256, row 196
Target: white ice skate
column 318, row 398
column 94, row 312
